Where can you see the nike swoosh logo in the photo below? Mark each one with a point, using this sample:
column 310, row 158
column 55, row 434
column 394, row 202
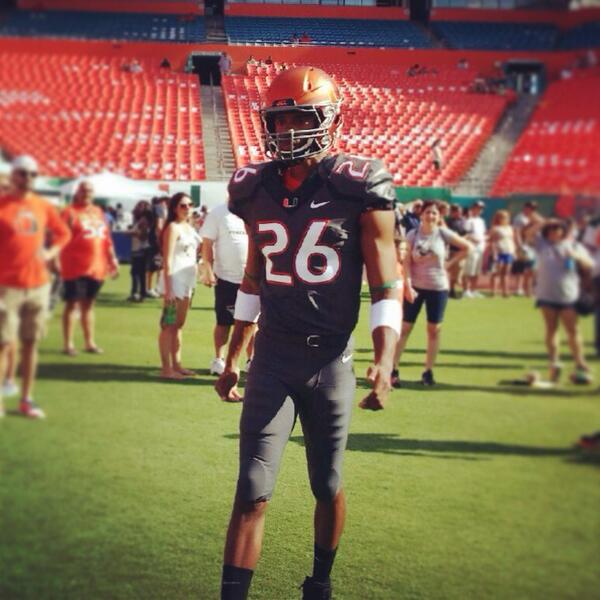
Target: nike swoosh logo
column 345, row 359
column 314, row 204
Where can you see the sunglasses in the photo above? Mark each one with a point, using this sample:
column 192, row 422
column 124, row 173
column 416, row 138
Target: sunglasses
column 24, row 173
column 186, row 205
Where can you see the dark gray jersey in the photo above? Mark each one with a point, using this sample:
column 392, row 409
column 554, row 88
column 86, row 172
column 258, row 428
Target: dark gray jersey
column 310, row 239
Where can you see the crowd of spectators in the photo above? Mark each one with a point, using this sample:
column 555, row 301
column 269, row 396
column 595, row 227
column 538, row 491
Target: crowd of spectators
column 557, row 262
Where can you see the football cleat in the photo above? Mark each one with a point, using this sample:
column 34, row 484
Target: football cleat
column 396, row 383
column 315, row 590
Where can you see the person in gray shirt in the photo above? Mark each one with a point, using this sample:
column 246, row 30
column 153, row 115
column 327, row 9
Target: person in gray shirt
column 559, row 259
column 427, row 281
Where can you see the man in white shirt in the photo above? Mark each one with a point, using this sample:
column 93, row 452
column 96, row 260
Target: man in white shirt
column 476, row 233
column 224, row 252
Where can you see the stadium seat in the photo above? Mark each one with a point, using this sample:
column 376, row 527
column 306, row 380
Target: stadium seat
column 387, row 115
column 78, row 115
column 104, row 25
column 559, row 151
column 347, row 32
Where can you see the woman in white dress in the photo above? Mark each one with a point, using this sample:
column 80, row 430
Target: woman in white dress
column 179, row 246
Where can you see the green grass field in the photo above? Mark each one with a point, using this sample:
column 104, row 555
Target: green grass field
column 467, row 490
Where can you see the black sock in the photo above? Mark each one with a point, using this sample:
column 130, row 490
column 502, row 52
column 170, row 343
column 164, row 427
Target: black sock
column 235, row 583
column 322, row 564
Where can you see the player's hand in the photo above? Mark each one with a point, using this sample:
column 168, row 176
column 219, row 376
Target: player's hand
column 410, row 294
column 226, row 386
column 209, row 279
column 380, row 377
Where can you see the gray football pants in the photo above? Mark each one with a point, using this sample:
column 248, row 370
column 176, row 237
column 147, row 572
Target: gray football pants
column 287, row 380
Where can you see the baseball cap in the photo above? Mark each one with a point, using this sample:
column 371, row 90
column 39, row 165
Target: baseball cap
column 478, row 204
column 531, row 204
column 25, row 163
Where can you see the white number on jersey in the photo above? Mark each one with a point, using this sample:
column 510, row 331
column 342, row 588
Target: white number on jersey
column 309, row 247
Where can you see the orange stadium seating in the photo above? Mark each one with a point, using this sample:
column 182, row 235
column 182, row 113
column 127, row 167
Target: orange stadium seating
column 388, row 115
column 81, row 114
column 559, row 150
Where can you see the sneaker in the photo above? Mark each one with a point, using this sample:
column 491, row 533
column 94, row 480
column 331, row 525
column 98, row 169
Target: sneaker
column 555, row 372
column 468, row 294
column 427, row 377
column 28, row 408
column 10, row 388
column 581, row 377
column 477, row 294
column 152, row 294
column 396, row 383
column 217, row 366
column 247, row 366
column 520, row 292
column 590, row 442
column 315, row 590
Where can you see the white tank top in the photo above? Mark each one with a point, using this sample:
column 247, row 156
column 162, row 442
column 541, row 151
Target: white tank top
column 186, row 249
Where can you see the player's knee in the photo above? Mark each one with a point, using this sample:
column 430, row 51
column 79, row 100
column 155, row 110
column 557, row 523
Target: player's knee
column 325, row 486
column 255, row 482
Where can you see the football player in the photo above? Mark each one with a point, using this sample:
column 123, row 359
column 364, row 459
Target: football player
column 313, row 218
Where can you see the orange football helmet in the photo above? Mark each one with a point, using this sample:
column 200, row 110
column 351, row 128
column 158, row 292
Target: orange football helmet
column 312, row 93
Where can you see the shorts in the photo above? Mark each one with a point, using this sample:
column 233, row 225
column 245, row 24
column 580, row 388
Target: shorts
column 23, row 313
column 555, row 305
column 435, row 305
column 504, row 258
column 225, row 296
column 522, row 266
column 82, row 288
column 183, row 284
column 290, row 379
column 474, row 262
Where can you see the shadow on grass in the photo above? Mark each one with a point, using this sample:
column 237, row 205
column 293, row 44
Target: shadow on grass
column 389, row 443
column 106, row 372
column 502, row 387
column 452, row 365
column 477, row 353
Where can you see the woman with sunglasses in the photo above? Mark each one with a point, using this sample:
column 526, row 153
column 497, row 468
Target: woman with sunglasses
column 179, row 244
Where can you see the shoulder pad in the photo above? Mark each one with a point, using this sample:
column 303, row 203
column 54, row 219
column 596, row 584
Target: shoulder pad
column 364, row 179
column 242, row 187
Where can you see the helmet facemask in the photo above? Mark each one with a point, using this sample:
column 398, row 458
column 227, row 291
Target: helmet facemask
column 294, row 145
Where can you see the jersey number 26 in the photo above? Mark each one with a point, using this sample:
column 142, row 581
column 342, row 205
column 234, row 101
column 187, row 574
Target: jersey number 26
column 308, row 248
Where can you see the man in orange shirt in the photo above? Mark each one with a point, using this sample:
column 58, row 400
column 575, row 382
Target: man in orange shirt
column 85, row 262
column 25, row 221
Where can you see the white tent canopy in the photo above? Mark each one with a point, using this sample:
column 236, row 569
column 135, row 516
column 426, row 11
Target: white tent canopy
column 115, row 188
